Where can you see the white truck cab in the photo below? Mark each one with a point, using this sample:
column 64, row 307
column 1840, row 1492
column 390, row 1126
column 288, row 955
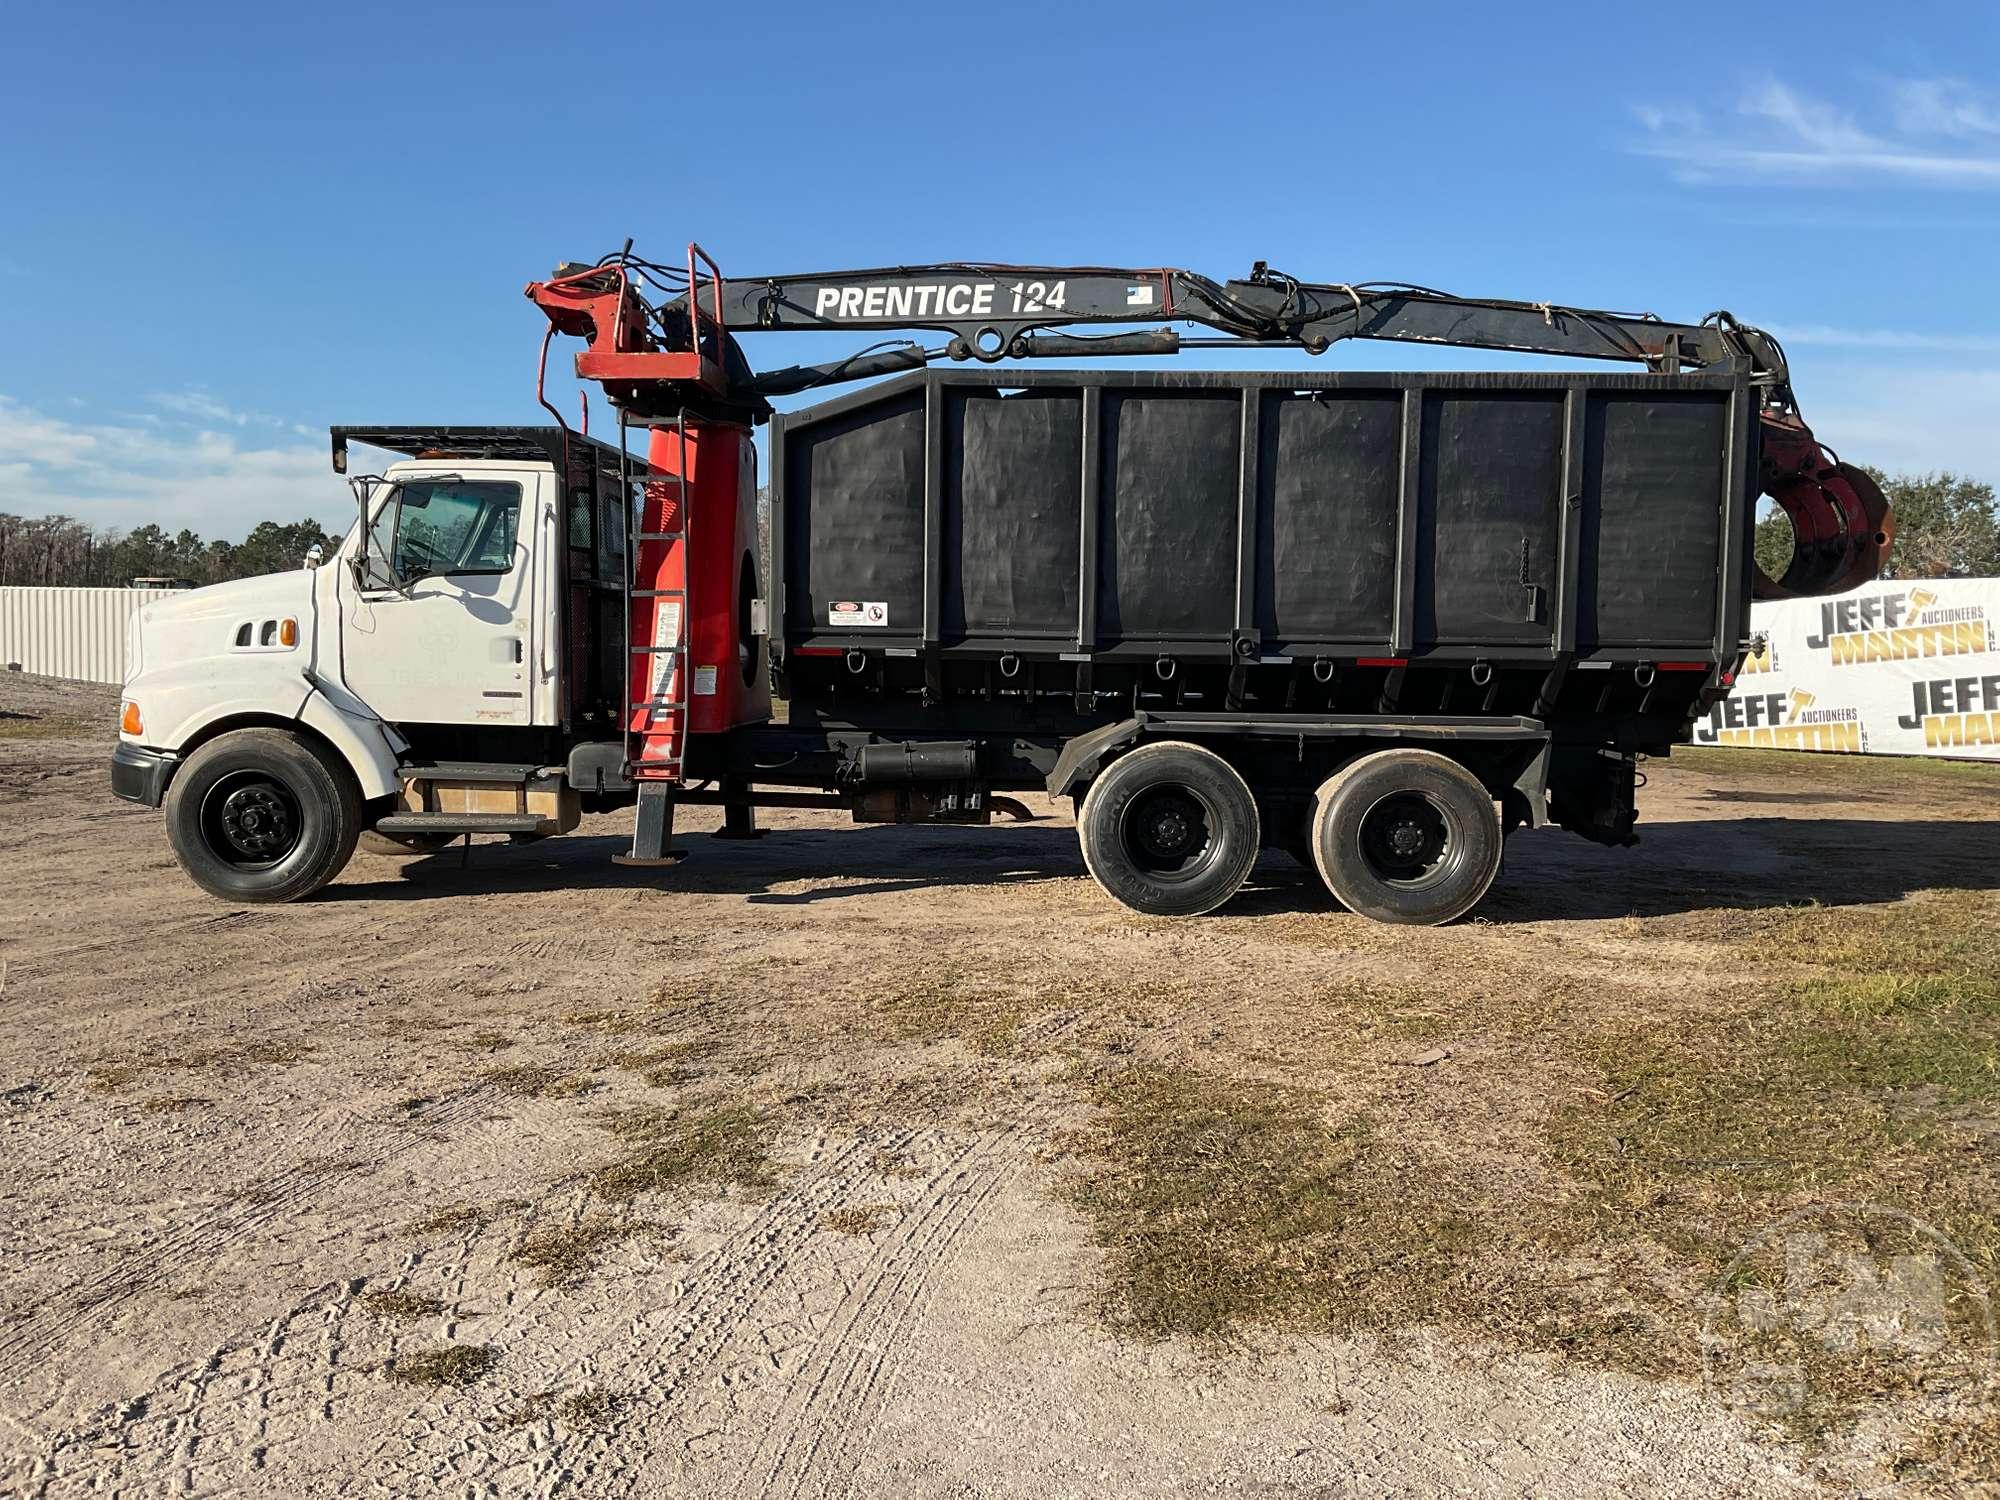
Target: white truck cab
column 415, row 684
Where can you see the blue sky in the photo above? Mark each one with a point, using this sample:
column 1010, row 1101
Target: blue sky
column 224, row 227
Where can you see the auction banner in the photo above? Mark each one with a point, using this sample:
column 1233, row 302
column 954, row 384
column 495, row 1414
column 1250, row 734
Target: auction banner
column 1897, row 667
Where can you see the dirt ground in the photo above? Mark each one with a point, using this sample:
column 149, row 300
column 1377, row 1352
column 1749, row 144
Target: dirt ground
column 520, row 1173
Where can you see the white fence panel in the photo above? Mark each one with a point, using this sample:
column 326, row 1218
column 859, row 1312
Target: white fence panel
column 1903, row 667
column 75, row 633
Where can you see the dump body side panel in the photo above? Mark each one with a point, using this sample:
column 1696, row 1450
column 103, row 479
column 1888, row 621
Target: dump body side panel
column 1270, row 517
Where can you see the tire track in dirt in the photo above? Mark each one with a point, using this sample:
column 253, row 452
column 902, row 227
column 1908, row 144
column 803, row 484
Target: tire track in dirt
column 842, row 1387
column 173, row 927
column 822, row 1433
column 212, row 1413
column 657, row 1352
column 281, row 1193
column 696, row 1332
column 686, row 1370
column 210, row 1424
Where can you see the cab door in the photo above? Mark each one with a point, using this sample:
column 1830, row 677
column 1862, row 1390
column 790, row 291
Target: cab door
column 440, row 625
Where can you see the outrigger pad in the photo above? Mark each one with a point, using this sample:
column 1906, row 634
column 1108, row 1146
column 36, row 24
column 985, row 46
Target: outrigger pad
column 652, row 829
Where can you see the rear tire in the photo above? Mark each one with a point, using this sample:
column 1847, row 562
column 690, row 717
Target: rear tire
column 1169, row 830
column 1406, row 836
column 261, row 815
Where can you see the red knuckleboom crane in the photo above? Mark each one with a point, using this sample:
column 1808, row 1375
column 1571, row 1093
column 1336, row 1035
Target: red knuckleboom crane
column 662, row 343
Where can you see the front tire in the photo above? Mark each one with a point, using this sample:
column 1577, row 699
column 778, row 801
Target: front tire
column 1406, row 836
column 1169, row 830
column 261, row 815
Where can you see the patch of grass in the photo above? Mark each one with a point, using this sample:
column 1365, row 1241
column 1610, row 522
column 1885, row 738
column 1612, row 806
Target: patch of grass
column 1906, row 997
column 447, row 1220
column 588, row 1409
column 140, row 1063
column 19, row 726
column 609, row 1022
column 484, row 1041
column 858, row 1218
column 664, row 1067
column 1404, row 1012
column 947, row 999
column 1869, row 770
column 401, row 1304
column 1847, row 1083
column 674, row 1148
column 993, row 1013
column 565, row 1255
column 541, row 1081
column 1336, row 931
column 1954, row 933
column 1857, row 1061
column 446, row 1364
column 1955, row 1458
column 1216, row 1200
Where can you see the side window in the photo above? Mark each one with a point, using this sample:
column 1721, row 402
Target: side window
column 456, row 526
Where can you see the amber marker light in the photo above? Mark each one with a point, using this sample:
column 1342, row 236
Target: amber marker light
column 128, row 718
column 288, row 632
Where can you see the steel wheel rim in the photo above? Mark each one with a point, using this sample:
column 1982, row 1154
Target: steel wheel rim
column 251, row 820
column 1169, row 833
column 1411, row 840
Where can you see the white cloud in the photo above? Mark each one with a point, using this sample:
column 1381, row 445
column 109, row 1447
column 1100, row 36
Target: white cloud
column 1814, row 125
column 1944, row 106
column 124, row 473
column 198, row 405
column 1776, row 133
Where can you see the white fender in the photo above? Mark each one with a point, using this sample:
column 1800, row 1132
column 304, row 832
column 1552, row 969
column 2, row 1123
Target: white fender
column 361, row 740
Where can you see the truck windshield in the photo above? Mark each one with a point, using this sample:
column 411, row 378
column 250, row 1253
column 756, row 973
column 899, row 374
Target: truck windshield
column 455, row 526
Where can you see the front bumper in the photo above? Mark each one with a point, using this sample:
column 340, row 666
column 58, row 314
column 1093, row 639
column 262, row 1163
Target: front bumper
column 140, row 775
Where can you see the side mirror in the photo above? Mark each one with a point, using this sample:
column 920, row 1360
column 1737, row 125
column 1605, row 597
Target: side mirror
column 315, row 555
column 371, row 574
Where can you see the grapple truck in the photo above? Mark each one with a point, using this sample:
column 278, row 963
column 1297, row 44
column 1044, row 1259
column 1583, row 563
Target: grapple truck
column 1376, row 620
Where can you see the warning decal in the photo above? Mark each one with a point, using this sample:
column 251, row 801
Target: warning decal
column 666, row 632
column 872, row 615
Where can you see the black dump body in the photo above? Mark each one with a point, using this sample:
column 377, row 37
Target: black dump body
column 966, row 553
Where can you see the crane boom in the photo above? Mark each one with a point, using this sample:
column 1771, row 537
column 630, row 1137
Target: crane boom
column 968, row 300
column 662, row 340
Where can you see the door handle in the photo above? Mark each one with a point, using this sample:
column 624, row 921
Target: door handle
column 517, row 651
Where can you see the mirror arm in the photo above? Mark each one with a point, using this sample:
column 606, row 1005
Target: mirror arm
column 364, row 487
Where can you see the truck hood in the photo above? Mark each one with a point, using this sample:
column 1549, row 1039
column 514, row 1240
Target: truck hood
column 285, row 593
column 203, row 623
